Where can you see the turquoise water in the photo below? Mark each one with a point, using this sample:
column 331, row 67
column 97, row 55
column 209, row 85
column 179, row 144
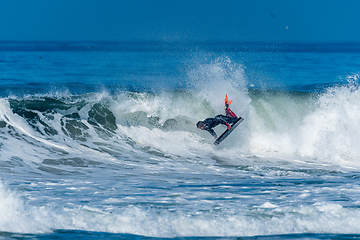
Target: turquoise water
column 98, row 141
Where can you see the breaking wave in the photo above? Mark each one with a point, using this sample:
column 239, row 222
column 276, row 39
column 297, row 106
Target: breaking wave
column 293, row 124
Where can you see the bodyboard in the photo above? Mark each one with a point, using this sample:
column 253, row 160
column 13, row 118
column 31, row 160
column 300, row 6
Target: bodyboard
column 227, row 132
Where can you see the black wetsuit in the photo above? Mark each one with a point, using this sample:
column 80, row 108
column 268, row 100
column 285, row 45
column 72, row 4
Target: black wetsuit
column 210, row 123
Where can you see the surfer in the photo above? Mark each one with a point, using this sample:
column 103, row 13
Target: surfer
column 209, row 123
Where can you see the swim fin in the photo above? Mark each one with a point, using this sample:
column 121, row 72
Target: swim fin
column 227, row 103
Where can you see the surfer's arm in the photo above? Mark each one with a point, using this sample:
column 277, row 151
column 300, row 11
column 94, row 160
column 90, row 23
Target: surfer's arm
column 212, row 132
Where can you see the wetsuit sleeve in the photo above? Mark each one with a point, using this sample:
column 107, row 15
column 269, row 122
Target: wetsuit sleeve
column 212, row 132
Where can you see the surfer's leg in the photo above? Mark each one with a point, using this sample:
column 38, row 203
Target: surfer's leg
column 232, row 119
column 226, row 118
column 230, row 113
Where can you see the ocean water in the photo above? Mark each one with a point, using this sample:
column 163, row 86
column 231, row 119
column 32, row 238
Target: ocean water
column 98, row 141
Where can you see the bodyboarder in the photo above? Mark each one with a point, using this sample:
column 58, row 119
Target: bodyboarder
column 209, row 123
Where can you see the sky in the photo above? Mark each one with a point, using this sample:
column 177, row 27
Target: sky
column 180, row 20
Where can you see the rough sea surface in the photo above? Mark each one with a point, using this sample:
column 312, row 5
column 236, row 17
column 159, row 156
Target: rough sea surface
column 98, row 141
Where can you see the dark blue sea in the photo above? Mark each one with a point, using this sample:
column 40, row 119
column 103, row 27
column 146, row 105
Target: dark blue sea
column 98, row 140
